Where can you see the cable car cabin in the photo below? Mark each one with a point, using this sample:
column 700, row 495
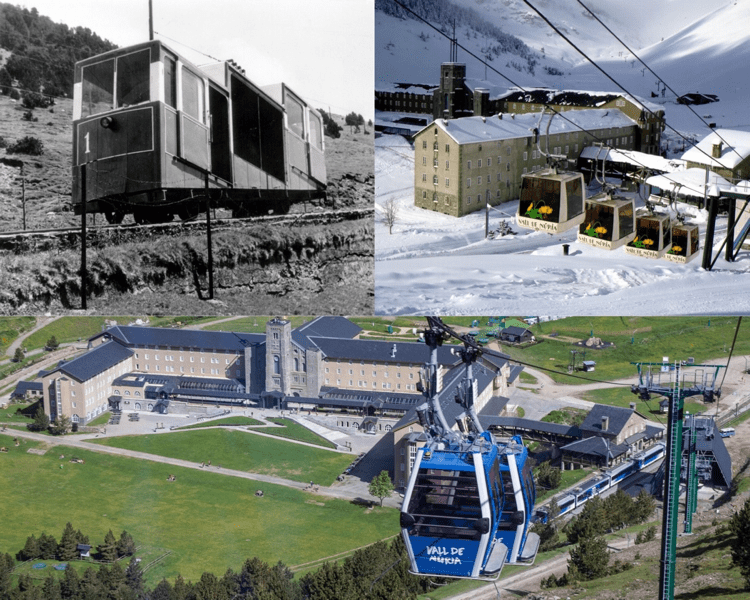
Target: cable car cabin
column 467, row 514
column 653, row 234
column 685, row 244
column 609, row 222
column 551, row 201
column 153, row 130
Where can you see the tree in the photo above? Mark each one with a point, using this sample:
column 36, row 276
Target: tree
column 41, row 420
column 134, row 577
column 47, row 546
column 60, row 426
column 125, row 545
column 589, row 559
column 108, row 548
column 548, row 536
column 19, row 355
column 52, row 343
column 390, row 214
column 739, row 525
column 644, row 506
column 547, row 476
column 67, row 549
column 162, row 591
column 30, row 550
column 333, row 129
column 591, row 522
column 381, row 486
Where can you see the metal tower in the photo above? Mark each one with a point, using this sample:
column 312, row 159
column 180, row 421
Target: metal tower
column 666, row 381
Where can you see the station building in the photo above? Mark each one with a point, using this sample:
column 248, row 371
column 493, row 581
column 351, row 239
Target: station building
column 461, row 165
column 317, row 366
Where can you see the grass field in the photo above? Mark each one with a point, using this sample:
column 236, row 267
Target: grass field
column 652, row 338
column 622, row 397
column 11, row 328
column 208, row 521
column 568, row 478
column 295, row 431
column 241, row 451
column 234, row 421
column 253, row 324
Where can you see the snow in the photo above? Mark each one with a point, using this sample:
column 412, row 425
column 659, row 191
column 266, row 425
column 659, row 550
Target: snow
column 690, row 182
column 478, row 129
column 436, row 264
column 737, row 150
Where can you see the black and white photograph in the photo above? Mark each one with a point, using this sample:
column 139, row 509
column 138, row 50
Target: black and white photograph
column 185, row 157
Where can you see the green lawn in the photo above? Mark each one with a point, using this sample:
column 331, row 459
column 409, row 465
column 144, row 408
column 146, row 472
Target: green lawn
column 527, row 378
column 253, row 324
column 102, row 419
column 566, row 416
column 653, row 338
column 295, row 431
column 208, row 521
column 234, row 421
column 622, row 396
column 241, row 451
column 11, row 328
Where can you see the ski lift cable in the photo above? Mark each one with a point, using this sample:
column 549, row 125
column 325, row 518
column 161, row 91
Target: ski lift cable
column 657, row 76
column 612, row 79
column 521, row 88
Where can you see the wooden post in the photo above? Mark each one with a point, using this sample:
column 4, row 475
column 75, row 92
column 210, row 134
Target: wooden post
column 208, row 242
column 23, row 197
column 83, row 236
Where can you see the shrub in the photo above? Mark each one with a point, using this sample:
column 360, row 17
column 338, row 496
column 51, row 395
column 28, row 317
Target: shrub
column 33, row 100
column 27, row 145
column 29, row 116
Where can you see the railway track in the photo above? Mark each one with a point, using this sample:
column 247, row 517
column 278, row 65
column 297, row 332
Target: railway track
column 9, row 240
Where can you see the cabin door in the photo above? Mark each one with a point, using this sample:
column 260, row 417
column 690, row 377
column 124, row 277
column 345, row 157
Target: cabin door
column 221, row 153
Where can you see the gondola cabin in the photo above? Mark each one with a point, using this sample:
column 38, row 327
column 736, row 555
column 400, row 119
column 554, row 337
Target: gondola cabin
column 466, row 514
column 551, row 201
column 152, row 131
column 685, row 244
column 609, row 222
column 653, row 234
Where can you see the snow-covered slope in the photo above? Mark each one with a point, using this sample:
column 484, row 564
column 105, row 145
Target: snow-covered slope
column 437, row 264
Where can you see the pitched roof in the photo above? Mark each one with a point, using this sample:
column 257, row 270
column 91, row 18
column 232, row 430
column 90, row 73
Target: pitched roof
column 378, row 351
column 735, row 147
column 27, row 386
column 595, row 448
column 329, row 327
column 182, row 338
column 514, row 330
column 618, row 417
column 468, row 130
column 95, row 361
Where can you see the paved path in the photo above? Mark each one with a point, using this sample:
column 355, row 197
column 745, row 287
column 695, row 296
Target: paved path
column 41, row 323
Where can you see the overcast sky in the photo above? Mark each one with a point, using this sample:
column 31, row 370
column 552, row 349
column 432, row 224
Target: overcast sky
column 322, row 49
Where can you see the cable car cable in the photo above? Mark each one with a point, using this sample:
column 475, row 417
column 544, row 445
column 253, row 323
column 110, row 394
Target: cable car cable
column 521, row 88
column 612, row 79
column 659, row 78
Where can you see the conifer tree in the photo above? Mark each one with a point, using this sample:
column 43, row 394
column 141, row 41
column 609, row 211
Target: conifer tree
column 108, row 548
column 67, row 549
column 739, row 525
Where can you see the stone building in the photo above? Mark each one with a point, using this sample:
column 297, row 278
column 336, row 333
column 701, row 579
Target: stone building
column 461, row 165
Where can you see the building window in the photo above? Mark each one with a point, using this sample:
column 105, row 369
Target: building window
column 435, row 162
column 277, row 365
column 447, row 147
column 468, row 165
column 479, row 180
column 424, row 144
column 489, row 161
column 447, row 182
column 479, row 162
column 424, row 160
column 434, row 179
column 447, row 164
column 526, row 156
column 424, row 195
column 468, row 182
column 507, row 166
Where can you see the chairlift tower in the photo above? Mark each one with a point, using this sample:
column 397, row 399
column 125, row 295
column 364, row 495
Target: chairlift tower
column 666, row 382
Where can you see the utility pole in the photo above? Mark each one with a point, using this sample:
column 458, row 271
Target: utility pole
column 648, row 383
